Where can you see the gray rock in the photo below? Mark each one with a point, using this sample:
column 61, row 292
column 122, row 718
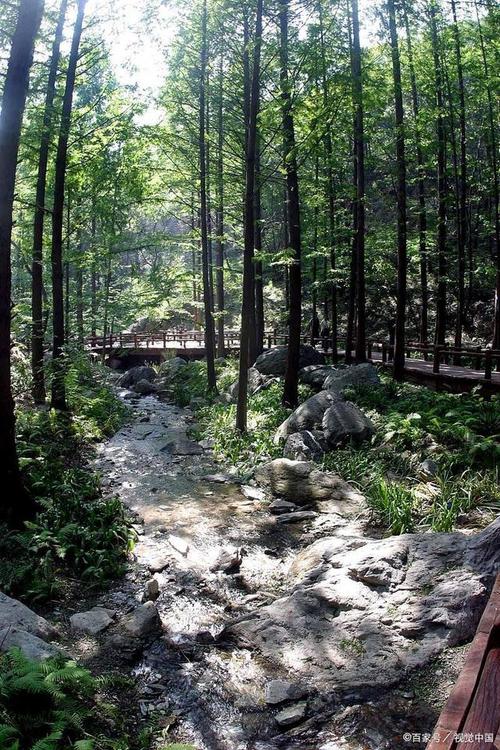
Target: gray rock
column 362, row 612
column 303, row 446
column 92, row 622
column 273, row 361
column 157, row 562
column 296, row 516
column 301, row 482
column 363, row 374
column 279, row 691
column 151, row 590
column 228, row 560
column 179, row 544
column 255, row 380
column 171, row 367
column 308, row 415
column 183, row 447
column 142, row 621
column 428, row 469
column 281, row 506
column 344, row 421
column 135, row 374
column 17, row 615
column 292, row 715
column 31, row 645
column 253, row 493
column 315, row 375
column 207, row 443
column 144, row 387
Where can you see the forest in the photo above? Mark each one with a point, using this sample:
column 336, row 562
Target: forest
column 249, row 374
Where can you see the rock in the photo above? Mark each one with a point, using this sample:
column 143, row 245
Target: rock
column 291, row 715
column 171, row 367
column 281, row 506
column 92, row 622
column 348, row 377
column 220, row 478
column 428, row 469
column 315, row 375
column 279, row 691
column 303, row 446
column 253, row 493
column 344, row 421
column 157, row 562
column 207, row 444
column 151, row 590
column 255, row 380
column 301, row 482
column 135, row 374
column 363, row 612
column 308, row 415
column 228, row 560
column 14, row 614
column 179, row 544
column 296, row 516
column 142, row 621
column 144, row 387
column 31, row 645
column 183, row 447
column 273, row 361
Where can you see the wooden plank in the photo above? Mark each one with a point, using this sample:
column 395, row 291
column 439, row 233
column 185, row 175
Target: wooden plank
column 483, row 717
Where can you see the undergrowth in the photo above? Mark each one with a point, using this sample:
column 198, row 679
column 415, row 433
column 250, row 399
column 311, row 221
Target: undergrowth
column 77, row 532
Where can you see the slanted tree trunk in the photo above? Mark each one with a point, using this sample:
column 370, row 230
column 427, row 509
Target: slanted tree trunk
column 399, row 348
column 219, row 213
column 37, row 331
column 462, row 213
column 290, row 391
column 442, row 184
column 359, row 158
column 422, row 209
column 58, row 400
column 248, row 303
column 207, row 296
column 17, row 505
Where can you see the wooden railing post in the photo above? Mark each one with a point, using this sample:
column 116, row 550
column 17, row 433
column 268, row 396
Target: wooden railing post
column 369, row 349
column 477, row 361
column 437, row 356
column 487, row 364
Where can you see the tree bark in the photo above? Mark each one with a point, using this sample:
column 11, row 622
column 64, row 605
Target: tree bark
column 399, row 348
column 290, row 391
column 258, row 268
column 17, row 504
column 248, row 303
column 58, row 400
column 38, row 388
column 219, row 213
column 207, row 295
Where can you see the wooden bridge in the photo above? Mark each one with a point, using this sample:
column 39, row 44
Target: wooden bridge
column 438, row 367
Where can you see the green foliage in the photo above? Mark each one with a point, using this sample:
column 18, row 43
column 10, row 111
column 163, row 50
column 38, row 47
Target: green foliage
column 52, row 705
column 393, row 504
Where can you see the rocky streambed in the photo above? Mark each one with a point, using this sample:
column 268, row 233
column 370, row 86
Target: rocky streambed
column 249, row 623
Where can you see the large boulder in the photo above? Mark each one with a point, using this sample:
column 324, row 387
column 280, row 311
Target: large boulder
column 135, row 374
column 273, row 361
column 304, row 446
column 315, row 375
column 308, row 416
column 171, row 367
column 362, row 613
column 344, row 421
column 348, row 377
column 21, row 627
column 145, row 387
column 301, row 482
column 255, row 380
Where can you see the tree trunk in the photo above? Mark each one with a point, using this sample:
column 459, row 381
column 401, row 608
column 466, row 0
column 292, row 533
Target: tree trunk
column 219, row 213
column 248, row 303
column 58, row 388
column 207, row 296
column 290, row 392
column 399, row 348
column 442, row 185
column 422, row 210
column 359, row 157
column 258, row 269
column 17, row 504
column 37, row 256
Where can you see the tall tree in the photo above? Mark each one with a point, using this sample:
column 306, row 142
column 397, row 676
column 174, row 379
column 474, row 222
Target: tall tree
column 17, row 504
column 40, row 209
column 58, row 400
column 399, row 348
column 248, row 303
column 207, row 287
column 219, row 211
column 290, row 391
